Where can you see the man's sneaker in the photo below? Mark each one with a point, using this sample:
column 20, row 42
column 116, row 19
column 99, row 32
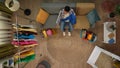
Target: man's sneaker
column 63, row 33
column 69, row 33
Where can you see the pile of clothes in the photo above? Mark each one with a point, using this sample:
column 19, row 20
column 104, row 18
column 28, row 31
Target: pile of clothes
column 24, row 39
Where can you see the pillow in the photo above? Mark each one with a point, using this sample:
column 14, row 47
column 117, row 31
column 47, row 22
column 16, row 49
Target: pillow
column 89, row 37
column 84, row 8
column 111, row 41
column 42, row 16
column 93, row 17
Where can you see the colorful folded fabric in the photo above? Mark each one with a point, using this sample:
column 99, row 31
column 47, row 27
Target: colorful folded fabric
column 24, row 42
column 27, row 32
column 24, row 29
column 20, row 36
column 23, row 26
column 27, row 59
column 24, row 54
column 31, row 45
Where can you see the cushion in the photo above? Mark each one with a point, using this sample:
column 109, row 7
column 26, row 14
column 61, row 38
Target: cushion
column 49, row 32
column 93, row 17
column 82, row 23
column 111, row 35
column 111, row 41
column 54, row 8
column 89, row 37
column 51, row 22
column 42, row 16
column 84, row 8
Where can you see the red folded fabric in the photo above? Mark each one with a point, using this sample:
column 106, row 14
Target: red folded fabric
column 24, row 42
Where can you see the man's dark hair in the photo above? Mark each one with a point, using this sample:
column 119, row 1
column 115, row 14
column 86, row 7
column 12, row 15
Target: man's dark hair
column 67, row 8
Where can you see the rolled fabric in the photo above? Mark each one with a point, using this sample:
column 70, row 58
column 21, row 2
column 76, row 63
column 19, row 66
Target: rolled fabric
column 13, row 5
column 49, row 32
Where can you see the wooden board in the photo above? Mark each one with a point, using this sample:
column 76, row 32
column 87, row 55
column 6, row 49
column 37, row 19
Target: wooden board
column 5, row 32
column 5, row 18
column 5, row 35
column 5, row 39
column 5, row 25
column 5, row 42
column 5, row 14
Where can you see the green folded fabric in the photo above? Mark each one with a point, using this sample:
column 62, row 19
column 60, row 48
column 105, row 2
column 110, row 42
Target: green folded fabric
column 26, row 59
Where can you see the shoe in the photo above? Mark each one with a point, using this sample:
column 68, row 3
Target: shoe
column 63, row 33
column 69, row 33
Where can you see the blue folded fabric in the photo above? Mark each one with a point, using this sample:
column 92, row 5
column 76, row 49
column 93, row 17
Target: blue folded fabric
column 25, row 36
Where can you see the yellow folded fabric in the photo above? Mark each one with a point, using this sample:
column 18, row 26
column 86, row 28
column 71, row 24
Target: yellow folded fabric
column 31, row 45
column 24, row 54
column 22, row 29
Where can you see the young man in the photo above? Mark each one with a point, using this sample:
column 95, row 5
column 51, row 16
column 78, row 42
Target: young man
column 64, row 20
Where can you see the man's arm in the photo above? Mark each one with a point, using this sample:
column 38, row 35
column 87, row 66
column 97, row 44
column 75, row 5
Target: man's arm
column 72, row 11
column 59, row 17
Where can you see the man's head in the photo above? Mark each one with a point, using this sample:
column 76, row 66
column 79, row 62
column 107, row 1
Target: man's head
column 66, row 8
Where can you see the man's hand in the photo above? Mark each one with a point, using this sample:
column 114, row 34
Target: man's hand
column 57, row 25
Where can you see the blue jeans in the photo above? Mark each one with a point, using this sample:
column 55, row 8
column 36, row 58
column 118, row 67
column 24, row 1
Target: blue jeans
column 64, row 24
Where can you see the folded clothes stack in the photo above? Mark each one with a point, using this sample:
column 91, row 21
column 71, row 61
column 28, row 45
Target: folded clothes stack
column 24, row 37
column 25, row 56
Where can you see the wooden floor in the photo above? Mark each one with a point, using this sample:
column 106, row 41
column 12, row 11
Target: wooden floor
column 60, row 52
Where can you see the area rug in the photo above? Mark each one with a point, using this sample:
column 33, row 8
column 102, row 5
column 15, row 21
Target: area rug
column 69, row 49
